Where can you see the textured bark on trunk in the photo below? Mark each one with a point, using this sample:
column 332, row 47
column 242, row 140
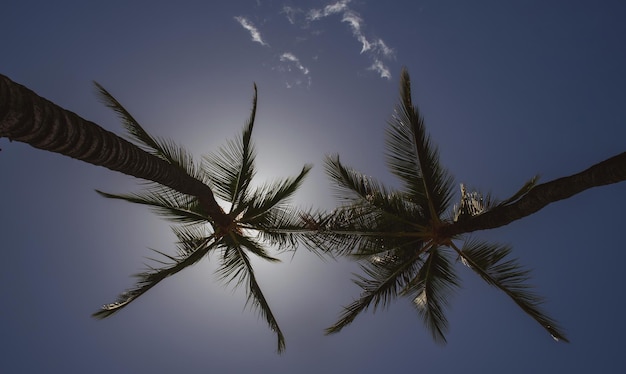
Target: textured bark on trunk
column 612, row 170
column 26, row 117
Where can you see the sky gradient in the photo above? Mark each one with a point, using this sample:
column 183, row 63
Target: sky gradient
column 508, row 91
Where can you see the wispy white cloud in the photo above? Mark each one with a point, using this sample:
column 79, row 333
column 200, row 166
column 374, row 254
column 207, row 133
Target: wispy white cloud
column 353, row 19
column 377, row 49
column 291, row 67
column 380, row 46
column 291, row 13
column 254, row 32
column 380, row 68
column 338, row 7
column 294, row 62
column 287, row 56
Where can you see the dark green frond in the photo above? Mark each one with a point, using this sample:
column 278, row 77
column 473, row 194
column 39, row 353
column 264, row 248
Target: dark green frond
column 236, row 267
column 356, row 188
column 385, row 278
column 359, row 230
column 174, row 206
column 431, row 291
column 231, row 169
column 190, row 237
column 270, row 196
column 489, row 261
column 282, row 227
column 254, row 247
column 162, row 148
column 179, row 157
column 133, row 127
column 350, row 185
column 413, row 158
column 153, row 276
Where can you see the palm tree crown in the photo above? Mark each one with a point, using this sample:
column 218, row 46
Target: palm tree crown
column 399, row 234
column 258, row 216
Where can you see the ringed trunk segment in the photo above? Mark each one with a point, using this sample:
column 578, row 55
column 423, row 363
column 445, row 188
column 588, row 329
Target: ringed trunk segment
column 26, row 117
column 612, row 170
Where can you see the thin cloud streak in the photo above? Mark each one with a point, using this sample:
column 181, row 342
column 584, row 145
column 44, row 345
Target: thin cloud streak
column 290, row 13
column 254, row 32
column 292, row 60
column 287, row 56
column 380, row 68
column 338, row 7
column 377, row 49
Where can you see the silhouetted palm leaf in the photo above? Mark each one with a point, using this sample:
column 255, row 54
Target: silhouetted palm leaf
column 270, row 196
column 489, row 261
column 171, row 204
column 400, row 236
column 256, row 216
column 162, row 148
column 386, row 278
column 152, row 276
column 236, row 267
column 431, row 291
column 413, row 158
column 231, row 169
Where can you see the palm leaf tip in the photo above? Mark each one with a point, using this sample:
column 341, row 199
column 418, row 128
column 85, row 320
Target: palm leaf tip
column 435, row 282
column 490, row 263
column 414, row 158
column 236, row 267
column 108, row 309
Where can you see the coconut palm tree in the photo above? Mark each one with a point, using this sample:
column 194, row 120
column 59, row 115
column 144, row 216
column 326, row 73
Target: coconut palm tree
column 26, row 117
column 257, row 217
column 408, row 240
column 408, row 237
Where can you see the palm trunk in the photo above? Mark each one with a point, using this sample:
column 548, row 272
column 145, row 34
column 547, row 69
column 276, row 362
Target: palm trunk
column 29, row 118
column 610, row 171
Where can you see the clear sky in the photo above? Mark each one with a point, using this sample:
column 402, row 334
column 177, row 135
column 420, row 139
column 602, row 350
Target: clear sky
column 508, row 90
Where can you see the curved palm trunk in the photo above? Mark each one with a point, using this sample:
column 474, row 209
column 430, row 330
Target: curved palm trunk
column 609, row 171
column 26, row 117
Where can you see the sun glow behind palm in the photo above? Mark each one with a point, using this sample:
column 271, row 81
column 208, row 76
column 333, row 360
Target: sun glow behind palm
column 258, row 215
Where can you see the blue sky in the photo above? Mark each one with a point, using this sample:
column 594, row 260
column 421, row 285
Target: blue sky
column 508, row 90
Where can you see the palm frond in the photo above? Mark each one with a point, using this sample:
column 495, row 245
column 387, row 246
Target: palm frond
column 271, row 195
column 190, row 237
column 431, row 290
column 136, row 132
column 180, row 157
column 358, row 230
column 231, row 169
column 356, row 188
column 413, row 158
column 282, row 227
column 162, row 148
column 489, row 261
column 172, row 205
column 236, row 267
column 254, row 247
column 384, row 279
column 152, row 276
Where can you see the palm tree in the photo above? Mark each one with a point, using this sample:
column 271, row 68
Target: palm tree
column 256, row 217
column 29, row 118
column 408, row 239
